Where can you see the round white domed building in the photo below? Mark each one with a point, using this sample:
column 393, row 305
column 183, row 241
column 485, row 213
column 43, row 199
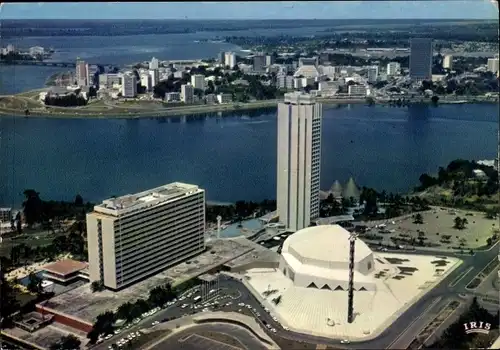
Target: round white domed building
column 318, row 257
column 306, row 286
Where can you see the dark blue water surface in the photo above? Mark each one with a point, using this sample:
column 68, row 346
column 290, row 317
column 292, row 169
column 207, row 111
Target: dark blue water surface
column 234, row 156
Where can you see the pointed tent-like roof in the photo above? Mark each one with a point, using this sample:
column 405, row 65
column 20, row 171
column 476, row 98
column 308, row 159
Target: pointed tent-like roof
column 336, row 189
column 351, row 189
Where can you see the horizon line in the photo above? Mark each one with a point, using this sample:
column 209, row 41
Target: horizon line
column 245, row 19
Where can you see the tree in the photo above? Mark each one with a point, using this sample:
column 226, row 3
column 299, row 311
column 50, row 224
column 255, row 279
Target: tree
column 69, row 342
column 32, row 207
column 35, row 284
column 124, row 312
column 418, row 219
column 435, row 100
column 8, row 300
column 459, row 223
column 78, row 200
column 104, row 323
column 96, row 286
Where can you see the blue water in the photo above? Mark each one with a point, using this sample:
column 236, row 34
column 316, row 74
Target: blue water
column 232, row 157
column 26, row 280
column 233, row 230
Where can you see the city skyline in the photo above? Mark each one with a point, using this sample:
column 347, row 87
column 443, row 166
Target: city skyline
column 474, row 9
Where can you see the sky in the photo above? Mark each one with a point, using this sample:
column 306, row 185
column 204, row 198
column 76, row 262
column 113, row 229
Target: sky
column 431, row 9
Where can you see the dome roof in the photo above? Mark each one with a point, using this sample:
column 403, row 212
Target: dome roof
column 319, row 245
column 351, row 190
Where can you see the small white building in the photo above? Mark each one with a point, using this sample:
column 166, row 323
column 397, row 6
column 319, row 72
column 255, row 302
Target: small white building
column 393, row 68
column 172, row 97
column 187, row 93
column 198, row 81
column 357, row 90
column 155, row 77
column 224, row 98
column 479, row 174
column 129, row 85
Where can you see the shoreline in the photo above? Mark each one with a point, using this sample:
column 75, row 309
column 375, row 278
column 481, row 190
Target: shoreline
column 81, row 113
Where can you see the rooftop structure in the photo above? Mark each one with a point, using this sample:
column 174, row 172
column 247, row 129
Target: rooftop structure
column 65, row 270
column 307, row 72
column 351, row 190
column 319, row 256
column 130, row 203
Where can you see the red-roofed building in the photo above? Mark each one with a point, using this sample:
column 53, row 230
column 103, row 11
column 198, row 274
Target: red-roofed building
column 65, row 271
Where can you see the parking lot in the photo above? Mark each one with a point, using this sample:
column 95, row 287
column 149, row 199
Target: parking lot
column 196, row 341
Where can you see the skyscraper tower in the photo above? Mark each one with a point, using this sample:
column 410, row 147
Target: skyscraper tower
column 299, row 155
column 421, row 59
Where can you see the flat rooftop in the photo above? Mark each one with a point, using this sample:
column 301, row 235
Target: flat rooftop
column 44, row 337
column 81, row 303
column 65, row 267
column 131, row 202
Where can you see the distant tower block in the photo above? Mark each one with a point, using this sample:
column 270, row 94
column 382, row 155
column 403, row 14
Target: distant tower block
column 219, row 219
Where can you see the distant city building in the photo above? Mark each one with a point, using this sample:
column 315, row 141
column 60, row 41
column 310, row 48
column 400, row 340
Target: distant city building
column 155, row 77
column 347, row 70
column 328, row 88
column 303, row 61
column 230, row 59
column 224, row 98
column 357, row 90
column 284, row 81
column 493, row 65
column 222, row 57
column 106, row 81
column 393, row 68
column 269, row 60
column 198, row 81
column 420, row 59
column 187, row 93
column 372, row 74
column 146, row 81
column 135, row 236
column 5, row 214
column 37, row 50
column 129, row 85
column 299, row 155
column 82, row 73
column 172, row 97
column 259, row 62
column 11, row 48
column 154, row 63
column 448, row 62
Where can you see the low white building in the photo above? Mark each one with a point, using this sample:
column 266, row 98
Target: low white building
column 328, row 88
column 224, row 98
column 393, row 68
column 172, row 97
column 357, row 90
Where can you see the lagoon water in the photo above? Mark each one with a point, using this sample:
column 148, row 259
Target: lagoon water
column 232, row 156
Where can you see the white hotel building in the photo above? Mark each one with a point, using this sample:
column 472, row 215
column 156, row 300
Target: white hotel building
column 135, row 236
column 299, row 155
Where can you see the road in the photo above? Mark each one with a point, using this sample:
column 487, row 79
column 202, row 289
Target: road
column 399, row 333
column 190, row 339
